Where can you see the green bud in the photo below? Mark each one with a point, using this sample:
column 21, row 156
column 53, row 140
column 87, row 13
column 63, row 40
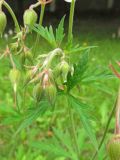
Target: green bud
column 30, row 17
column 113, row 148
column 31, row 76
column 14, row 76
column 64, row 68
column 37, row 92
column 50, row 92
column 28, row 55
column 3, row 22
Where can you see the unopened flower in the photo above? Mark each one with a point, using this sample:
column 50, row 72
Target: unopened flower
column 37, row 92
column 64, row 69
column 50, row 92
column 30, row 17
column 3, row 22
column 113, row 147
column 14, row 76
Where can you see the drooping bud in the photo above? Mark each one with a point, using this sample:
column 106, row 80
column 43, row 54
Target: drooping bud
column 14, row 76
column 50, row 92
column 37, row 92
column 30, row 17
column 3, row 22
column 30, row 75
column 113, row 147
column 64, row 68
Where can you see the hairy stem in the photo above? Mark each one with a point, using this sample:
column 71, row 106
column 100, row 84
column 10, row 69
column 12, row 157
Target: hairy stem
column 13, row 16
column 71, row 18
column 40, row 23
column 34, row 5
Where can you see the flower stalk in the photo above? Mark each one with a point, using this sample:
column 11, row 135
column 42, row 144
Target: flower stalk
column 13, row 16
column 71, row 18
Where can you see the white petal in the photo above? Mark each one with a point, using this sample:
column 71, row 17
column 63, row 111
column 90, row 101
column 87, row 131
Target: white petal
column 69, row 1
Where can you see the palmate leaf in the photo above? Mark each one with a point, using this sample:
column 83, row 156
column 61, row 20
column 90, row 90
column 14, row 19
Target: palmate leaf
column 60, row 145
column 46, row 33
column 51, row 147
column 71, row 48
column 65, row 140
column 85, row 120
column 9, row 115
column 54, row 39
column 60, row 32
column 32, row 114
column 79, row 71
column 96, row 74
column 84, row 74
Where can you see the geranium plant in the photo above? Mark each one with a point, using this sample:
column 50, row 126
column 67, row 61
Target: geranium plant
column 39, row 81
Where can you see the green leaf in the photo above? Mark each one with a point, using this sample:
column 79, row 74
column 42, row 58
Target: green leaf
column 85, row 74
column 60, row 32
column 79, row 71
column 50, row 147
column 77, row 105
column 71, row 48
column 65, row 140
column 33, row 114
column 46, row 33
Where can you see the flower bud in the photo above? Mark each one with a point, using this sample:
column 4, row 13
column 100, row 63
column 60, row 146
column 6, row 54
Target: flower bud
column 113, row 148
column 64, row 68
column 50, row 92
column 28, row 55
column 3, row 22
column 37, row 92
column 14, row 76
column 30, row 17
column 30, row 75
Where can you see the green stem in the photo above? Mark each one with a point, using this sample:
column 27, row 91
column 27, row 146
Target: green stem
column 42, row 14
column 40, row 23
column 71, row 18
column 106, row 130
column 13, row 16
column 1, row 2
column 73, row 130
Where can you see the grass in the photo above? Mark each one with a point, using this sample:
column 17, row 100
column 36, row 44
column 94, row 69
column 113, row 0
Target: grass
column 87, row 32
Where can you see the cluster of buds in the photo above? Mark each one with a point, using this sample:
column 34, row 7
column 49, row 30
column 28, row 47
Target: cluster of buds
column 19, row 47
column 48, row 78
column 113, row 146
column 45, row 86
